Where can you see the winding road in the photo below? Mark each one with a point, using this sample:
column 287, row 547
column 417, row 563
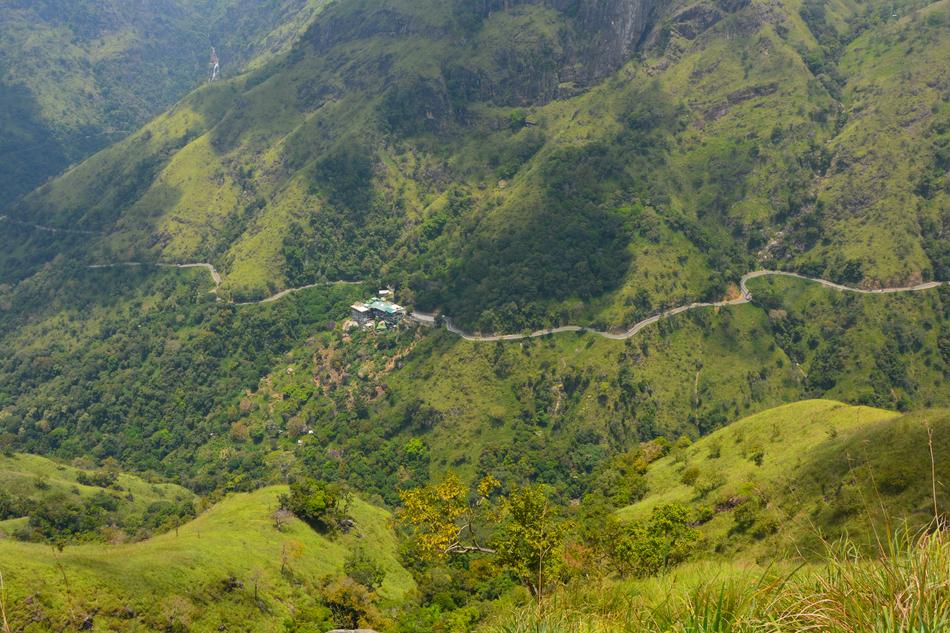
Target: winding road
column 47, row 229
column 430, row 319
column 745, row 298
column 216, row 278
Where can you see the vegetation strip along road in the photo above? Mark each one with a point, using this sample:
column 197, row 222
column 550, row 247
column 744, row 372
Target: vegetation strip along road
column 616, row 336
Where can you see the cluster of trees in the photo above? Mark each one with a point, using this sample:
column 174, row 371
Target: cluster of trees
column 321, row 505
column 136, row 391
column 62, row 518
column 523, row 534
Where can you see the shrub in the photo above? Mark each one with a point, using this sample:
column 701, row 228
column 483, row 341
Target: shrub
column 99, row 479
column 365, row 570
column 318, row 503
column 352, row 605
column 690, row 475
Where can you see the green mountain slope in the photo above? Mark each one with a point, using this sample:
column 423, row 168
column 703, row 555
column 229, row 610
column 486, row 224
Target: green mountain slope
column 35, row 487
column 144, row 366
column 230, row 567
column 781, row 477
column 76, row 78
column 785, row 477
column 533, row 163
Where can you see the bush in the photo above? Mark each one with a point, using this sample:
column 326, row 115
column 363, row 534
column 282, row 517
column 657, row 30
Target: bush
column 319, row 504
column 364, row 569
column 353, row 605
column 690, row 475
column 99, row 479
column 664, row 541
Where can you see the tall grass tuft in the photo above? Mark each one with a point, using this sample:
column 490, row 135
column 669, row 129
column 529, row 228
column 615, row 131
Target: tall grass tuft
column 904, row 589
column 907, row 590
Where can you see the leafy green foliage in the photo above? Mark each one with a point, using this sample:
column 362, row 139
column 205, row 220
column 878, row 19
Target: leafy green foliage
column 530, row 539
column 321, row 505
column 364, row 569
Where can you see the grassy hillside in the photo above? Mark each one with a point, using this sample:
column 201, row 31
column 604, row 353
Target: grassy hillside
column 31, row 486
column 603, row 189
column 228, row 568
column 144, row 366
column 233, row 567
column 843, row 594
column 74, row 80
column 771, row 484
column 814, row 515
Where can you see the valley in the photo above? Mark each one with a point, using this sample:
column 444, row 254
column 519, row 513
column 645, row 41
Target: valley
column 665, row 343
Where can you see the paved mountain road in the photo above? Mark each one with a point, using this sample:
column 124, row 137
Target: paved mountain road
column 428, row 319
column 745, row 298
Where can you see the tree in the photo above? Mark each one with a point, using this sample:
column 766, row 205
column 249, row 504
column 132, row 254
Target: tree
column 645, row 549
column 290, row 551
column 523, row 528
column 281, row 517
column 530, row 538
column 441, row 522
column 320, row 504
column 351, row 603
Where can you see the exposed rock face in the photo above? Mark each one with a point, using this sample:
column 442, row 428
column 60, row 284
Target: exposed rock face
column 615, row 29
column 585, row 40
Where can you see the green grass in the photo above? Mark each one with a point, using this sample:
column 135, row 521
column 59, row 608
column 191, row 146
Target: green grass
column 34, row 477
column 809, row 468
column 180, row 578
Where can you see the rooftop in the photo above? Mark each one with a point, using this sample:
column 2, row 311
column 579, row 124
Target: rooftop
column 386, row 306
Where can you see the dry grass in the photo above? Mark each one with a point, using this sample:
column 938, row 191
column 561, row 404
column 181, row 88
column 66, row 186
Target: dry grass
column 905, row 589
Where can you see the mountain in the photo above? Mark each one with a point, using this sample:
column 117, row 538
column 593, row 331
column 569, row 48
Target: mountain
column 76, row 78
column 525, row 163
column 143, row 365
column 709, row 445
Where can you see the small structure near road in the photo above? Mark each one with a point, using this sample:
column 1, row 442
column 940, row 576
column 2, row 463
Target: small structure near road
column 425, row 320
column 361, row 313
column 380, row 310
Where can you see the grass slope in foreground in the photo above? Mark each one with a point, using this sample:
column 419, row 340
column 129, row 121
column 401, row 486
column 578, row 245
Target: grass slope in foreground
column 773, row 482
column 904, row 589
column 228, row 568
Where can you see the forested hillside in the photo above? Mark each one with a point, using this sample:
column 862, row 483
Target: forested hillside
column 76, row 77
column 590, row 168
column 183, row 446
column 773, row 482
